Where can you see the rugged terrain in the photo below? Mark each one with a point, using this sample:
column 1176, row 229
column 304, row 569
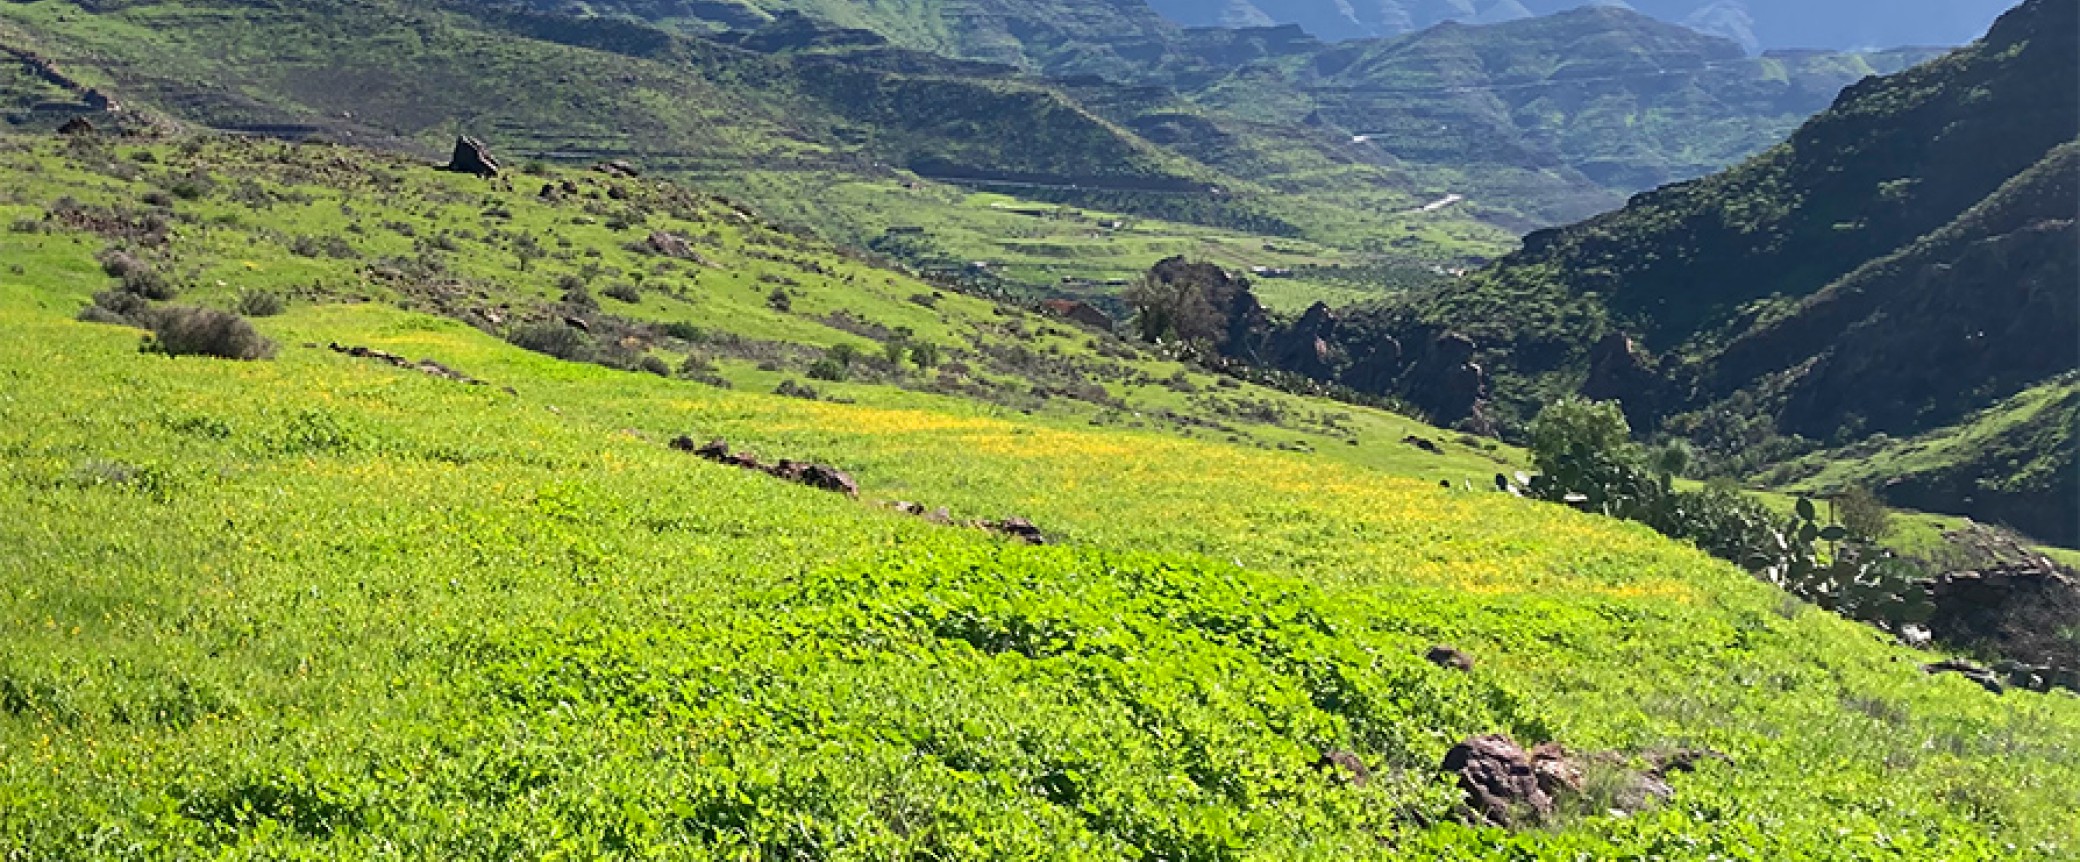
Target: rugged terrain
column 1755, row 24
column 409, row 588
column 1901, row 264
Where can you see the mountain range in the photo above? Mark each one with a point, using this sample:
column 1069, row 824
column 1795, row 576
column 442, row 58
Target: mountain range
column 1756, row 24
column 1528, row 124
column 1902, row 266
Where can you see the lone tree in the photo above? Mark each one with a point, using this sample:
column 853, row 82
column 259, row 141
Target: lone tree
column 1196, row 303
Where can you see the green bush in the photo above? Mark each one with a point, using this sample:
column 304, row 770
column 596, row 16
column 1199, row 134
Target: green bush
column 554, row 339
column 190, row 331
column 1863, row 514
column 259, row 303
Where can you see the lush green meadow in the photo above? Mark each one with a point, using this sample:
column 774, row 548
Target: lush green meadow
column 320, row 607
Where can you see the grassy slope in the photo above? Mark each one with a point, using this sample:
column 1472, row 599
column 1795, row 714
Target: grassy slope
column 454, row 237
column 801, row 144
column 319, row 607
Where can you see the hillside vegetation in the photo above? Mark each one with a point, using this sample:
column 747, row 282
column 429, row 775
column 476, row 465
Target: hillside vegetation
column 1904, row 260
column 327, row 606
column 1262, row 133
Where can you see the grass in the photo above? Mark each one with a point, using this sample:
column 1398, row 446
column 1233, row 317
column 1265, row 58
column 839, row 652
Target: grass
column 322, row 607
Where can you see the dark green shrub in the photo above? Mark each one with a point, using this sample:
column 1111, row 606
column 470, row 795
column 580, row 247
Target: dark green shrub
column 190, row 331
column 119, row 307
column 924, row 355
column 553, row 339
column 625, row 292
column 829, row 369
column 259, row 303
column 685, row 331
column 654, row 365
column 1862, row 514
column 778, row 300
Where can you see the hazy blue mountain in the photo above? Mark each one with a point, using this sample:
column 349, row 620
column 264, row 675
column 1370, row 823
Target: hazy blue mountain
column 1756, row 24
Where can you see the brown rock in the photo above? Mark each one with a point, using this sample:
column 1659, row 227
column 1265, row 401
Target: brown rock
column 828, row 478
column 1017, row 528
column 1501, row 782
column 1985, row 677
column 1346, row 766
column 669, row 244
column 473, row 158
column 1447, row 657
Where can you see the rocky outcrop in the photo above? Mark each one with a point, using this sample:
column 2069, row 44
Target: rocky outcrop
column 1307, row 347
column 473, row 158
column 2020, row 611
column 1448, row 384
column 423, row 366
column 822, row 477
column 1619, row 371
column 1508, row 786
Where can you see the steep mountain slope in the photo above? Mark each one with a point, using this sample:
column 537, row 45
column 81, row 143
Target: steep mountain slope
column 576, row 88
column 341, row 604
column 1561, row 117
column 1085, row 36
column 1538, row 123
column 1756, row 24
column 1906, row 258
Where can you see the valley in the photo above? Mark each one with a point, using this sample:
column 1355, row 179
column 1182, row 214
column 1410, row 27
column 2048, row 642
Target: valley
column 815, row 429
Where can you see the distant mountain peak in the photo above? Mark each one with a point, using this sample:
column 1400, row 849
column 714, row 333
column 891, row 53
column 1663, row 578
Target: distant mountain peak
column 1757, row 25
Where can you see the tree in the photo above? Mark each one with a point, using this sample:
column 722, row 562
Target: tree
column 1177, row 310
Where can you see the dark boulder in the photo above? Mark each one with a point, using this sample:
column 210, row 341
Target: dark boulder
column 1308, row 347
column 1504, row 784
column 1618, row 371
column 1377, row 365
column 1345, row 766
column 1448, row 384
column 1017, row 528
column 1447, row 657
column 2016, row 610
column 473, row 158
column 1985, row 677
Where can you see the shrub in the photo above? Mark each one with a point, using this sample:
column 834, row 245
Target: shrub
column 625, row 292
column 1863, row 514
column 792, row 389
column 191, row 331
column 829, row 369
column 684, row 331
column 553, row 339
column 118, row 307
column 701, row 369
column 654, row 365
column 778, row 300
column 578, row 297
column 924, row 355
column 259, row 303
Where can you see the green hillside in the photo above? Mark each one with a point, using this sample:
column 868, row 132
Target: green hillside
column 1902, row 261
column 327, row 606
column 838, row 140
